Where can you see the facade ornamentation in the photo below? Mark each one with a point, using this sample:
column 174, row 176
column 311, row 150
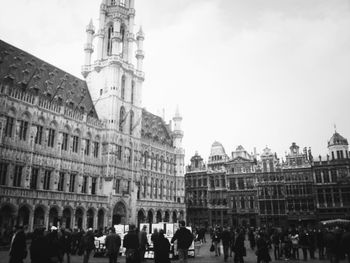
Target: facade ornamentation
column 84, row 153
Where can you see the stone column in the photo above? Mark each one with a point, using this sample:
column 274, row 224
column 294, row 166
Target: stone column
column 46, row 218
column 73, row 219
column 84, row 220
column 31, row 221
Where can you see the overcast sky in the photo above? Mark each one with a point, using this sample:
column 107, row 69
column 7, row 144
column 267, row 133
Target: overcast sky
column 246, row 72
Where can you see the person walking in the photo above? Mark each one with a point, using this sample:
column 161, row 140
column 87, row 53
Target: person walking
column 54, row 246
column 276, row 240
column 262, row 249
column 65, row 244
column 226, row 238
column 162, row 249
column 18, row 249
column 143, row 243
column 131, row 244
column 216, row 238
column 232, row 240
column 303, row 243
column 38, row 247
column 113, row 243
column 88, row 245
column 295, row 245
column 239, row 249
column 320, row 242
column 184, row 240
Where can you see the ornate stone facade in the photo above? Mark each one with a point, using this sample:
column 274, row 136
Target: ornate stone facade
column 248, row 189
column 85, row 153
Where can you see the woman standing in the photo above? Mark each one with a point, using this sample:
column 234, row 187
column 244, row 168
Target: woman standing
column 239, row 249
column 262, row 249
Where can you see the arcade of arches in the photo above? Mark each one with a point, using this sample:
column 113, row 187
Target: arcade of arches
column 43, row 216
column 152, row 216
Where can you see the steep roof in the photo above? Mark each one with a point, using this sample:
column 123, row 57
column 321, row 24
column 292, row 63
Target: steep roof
column 337, row 139
column 154, row 128
column 29, row 73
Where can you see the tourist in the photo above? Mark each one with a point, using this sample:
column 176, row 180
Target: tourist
column 54, row 246
column 184, row 240
column 294, row 237
column 88, row 245
column 65, row 243
column 143, row 243
column 131, row 244
column 320, row 243
column 345, row 242
column 226, row 238
column 276, row 241
column 112, row 243
column 239, row 249
column 216, row 238
column 162, row 249
column 18, row 249
column 262, row 249
column 39, row 247
column 304, row 243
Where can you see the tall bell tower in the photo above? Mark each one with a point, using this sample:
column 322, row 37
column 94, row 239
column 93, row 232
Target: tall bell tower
column 115, row 84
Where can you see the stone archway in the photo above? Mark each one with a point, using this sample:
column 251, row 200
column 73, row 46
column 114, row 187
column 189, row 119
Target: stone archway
column 66, row 217
column 53, row 217
column 119, row 214
column 90, row 218
column 166, row 216
column 79, row 213
column 39, row 217
column 7, row 219
column 174, row 217
column 100, row 219
column 159, row 216
column 150, row 217
column 141, row 218
column 23, row 216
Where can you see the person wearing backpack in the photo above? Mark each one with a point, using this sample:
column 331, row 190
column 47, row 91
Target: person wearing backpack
column 184, row 239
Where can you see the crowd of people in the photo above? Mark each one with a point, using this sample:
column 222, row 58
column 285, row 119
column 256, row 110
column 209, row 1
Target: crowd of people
column 324, row 243
column 56, row 245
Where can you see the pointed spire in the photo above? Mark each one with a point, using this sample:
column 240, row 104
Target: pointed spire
column 90, row 27
column 177, row 112
column 140, row 34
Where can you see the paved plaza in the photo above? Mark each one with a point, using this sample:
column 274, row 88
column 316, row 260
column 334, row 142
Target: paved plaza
column 204, row 257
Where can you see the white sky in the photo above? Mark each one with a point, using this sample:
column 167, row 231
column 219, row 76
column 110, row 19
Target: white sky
column 249, row 72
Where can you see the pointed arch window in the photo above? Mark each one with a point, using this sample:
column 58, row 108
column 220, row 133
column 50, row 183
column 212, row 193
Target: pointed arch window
column 109, row 43
column 131, row 121
column 121, row 119
column 122, row 95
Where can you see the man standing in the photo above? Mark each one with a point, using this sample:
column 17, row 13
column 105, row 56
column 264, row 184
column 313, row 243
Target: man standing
column 226, row 238
column 88, row 244
column 143, row 243
column 18, row 250
column 65, row 243
column 184, row 240
column 131, row 244
column 113, row 243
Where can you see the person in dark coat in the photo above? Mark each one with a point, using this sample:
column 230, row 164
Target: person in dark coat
column 162, row 249
column 239, row 248
column 143, row 243
column 226, row 238
column 345, row 242
column 320, row 242
column 54, row 246
column 304, row 243
column 88, row 244
column 18, row 249
column 232, row 240
column 65, row 243
column 184, row 239
column 113, row 243
column 262, row 249
column 216, row 238
column 39, row 247
column 131, row 244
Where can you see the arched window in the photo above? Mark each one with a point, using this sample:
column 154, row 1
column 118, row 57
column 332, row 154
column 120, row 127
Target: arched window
column 122, row 95
column 122, row 33
column 109, row 43
column 121, row 119
column 145, row 160
column 131, row 121
column 161, row 190
column 151, row 192
column 132, row 92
